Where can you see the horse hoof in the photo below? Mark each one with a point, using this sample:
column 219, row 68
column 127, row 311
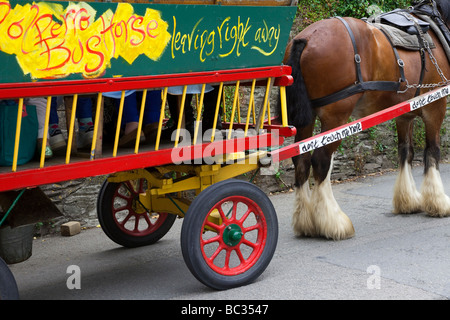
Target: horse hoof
column 302, row 220
column 303, row 229
column 438, row 207
column 340, row 229
column 435, row 202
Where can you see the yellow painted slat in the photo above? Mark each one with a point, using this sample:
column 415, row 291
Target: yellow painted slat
column 233, row 110
column 141, row 117
column 250, row 107
column 17, row 139
column 254, row 112
column 180, row 115
column 44, row 138
column 217, row 112
column 199, row 112
column 266, row 99
column 119, row 123
column 224, row 104
column 239, row 109
column 71, row 127
column 96, row 124
column 161, row 117
column 284, row 117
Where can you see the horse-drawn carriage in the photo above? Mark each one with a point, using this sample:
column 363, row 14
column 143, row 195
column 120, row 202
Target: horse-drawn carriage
column 90, row 49
column 184, row 49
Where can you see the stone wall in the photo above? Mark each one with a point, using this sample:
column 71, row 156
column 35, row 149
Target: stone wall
column 369, row 152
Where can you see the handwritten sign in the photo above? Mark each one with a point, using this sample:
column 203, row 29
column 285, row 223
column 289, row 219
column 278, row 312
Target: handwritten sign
column 424, row 100
column 51, row 41
column 56, row 40
column 333, row 136
column 228, row 39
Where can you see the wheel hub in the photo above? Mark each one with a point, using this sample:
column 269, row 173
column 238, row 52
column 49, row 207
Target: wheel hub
column 232, row 235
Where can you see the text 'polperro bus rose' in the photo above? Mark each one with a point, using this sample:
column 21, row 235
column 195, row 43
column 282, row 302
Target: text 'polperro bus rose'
column 51, row 41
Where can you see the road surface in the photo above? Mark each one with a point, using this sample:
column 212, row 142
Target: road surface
column 390, row 257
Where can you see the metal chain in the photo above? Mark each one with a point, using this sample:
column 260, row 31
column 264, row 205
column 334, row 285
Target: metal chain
column 435, row 63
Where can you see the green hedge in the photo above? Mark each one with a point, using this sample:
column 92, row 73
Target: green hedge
column 314, row 10
column 359, row 8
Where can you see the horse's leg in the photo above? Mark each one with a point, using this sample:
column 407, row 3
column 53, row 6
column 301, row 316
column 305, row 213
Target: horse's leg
column 301, row 219
column 406, row 197
column 329, row 220
column 435, row 202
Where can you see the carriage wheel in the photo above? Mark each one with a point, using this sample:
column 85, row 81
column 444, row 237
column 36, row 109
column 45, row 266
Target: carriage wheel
column 229, row 234
column 8, row 286
column 125, row 220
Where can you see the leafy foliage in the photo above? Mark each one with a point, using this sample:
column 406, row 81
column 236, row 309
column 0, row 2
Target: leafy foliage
column 359, row 8
column 310, row 11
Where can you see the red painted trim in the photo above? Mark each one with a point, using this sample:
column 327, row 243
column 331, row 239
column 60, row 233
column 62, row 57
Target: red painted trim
column 284, row 81
column 366, row 123
column 86, row 86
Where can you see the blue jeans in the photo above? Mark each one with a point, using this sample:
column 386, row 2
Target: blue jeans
column 132, row 105
column 84, row 109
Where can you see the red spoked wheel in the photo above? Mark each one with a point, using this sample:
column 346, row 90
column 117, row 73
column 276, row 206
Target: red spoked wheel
column 240, row 234
column 124, row 218
column 229, row 234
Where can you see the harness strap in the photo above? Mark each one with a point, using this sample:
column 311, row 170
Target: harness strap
column 421, row 37
column 355, row 89
column 361, row 85
column 400, row 62
column 355, row 49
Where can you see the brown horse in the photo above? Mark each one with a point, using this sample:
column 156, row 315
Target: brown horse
column 323, row 58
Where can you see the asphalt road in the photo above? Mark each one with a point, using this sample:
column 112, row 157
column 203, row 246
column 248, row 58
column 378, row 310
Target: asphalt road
column 390, row 257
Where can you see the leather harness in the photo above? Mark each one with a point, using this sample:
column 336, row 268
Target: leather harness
column 361, row 86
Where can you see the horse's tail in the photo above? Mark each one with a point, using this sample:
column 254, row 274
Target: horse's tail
column 299, row 107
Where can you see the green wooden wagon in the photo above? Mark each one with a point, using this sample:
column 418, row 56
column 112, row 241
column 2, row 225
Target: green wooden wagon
column 182, row 49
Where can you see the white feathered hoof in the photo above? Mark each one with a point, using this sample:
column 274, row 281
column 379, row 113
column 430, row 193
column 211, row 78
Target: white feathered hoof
column 302, row 222
column 406, row 197
column 434, row 200
column 329, row 220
